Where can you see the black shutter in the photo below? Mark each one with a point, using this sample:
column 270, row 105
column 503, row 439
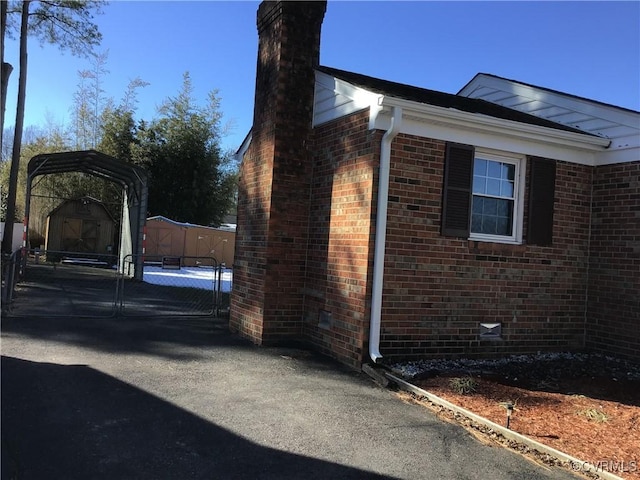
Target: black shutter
column 541, row 197
column 456, row 199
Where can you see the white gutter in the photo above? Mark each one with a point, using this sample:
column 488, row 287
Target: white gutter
column 492, row 125
column 381, row 234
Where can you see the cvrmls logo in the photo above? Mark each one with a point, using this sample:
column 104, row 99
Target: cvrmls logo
column 611, row 466
column 616, row 466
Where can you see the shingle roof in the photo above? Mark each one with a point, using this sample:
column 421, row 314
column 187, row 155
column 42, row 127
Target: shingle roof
column 441, row 99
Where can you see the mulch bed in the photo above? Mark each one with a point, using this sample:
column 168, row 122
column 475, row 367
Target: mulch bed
column 587, row 406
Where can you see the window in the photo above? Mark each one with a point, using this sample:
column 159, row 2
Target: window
column 483, row 196
column 495, row 198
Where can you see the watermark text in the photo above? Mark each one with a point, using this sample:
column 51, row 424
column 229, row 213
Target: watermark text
column 610, row 466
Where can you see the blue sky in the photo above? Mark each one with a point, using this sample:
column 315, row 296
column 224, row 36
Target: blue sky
column 589, row 49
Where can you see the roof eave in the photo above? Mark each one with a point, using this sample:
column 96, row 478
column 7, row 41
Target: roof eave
column 487, row 124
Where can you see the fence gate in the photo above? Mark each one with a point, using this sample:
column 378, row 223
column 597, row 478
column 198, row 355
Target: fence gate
column 67, row 284
column 172, row 286
column 55, row 284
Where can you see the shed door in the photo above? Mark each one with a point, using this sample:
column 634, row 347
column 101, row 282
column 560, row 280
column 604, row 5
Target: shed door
column 79, row 235
column 164, row 241
column 205, row 247
column 71, row 234
column 89, row 236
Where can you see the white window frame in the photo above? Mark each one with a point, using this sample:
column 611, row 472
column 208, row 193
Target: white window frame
column 520, row 162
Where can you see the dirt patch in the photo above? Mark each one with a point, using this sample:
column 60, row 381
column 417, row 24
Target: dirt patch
column 585, row 406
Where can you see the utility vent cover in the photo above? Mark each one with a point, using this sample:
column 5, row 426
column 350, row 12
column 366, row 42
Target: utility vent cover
column 490, row 330
column 325, row 319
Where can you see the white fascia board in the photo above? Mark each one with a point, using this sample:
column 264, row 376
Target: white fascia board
column 497, row 141
column 623, row 149
column 239, row 155
column 490, row 132
column 619, row 155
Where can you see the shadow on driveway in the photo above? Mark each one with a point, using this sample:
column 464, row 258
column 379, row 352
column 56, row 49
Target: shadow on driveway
column 178, row 398
column 154, row 336
column 74, row 422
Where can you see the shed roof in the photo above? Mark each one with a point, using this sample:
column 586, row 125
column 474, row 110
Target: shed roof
column 227, row 227
column 81, row 199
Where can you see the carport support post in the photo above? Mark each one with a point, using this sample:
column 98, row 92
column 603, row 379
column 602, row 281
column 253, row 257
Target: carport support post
column 140, row 221
column 131, row 233
column 126, row 247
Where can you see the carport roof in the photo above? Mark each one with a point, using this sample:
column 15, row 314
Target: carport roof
column 91, row 162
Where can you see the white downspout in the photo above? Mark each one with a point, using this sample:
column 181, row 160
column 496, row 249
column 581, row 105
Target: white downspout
column 381, row 234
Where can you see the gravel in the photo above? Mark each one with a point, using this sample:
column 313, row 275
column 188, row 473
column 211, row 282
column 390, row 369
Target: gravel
column 533, row 365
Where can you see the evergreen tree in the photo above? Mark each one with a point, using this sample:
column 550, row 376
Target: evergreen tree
column 182, row 152
column 119, row 131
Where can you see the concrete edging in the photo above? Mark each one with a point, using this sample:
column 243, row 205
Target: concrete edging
column 577, row 465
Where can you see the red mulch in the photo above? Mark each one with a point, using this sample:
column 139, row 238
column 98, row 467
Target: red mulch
column 593, row 419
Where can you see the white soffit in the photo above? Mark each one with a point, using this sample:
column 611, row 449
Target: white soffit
column 619, row 125
column 335, row 98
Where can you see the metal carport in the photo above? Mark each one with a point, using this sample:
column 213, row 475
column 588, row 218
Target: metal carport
column 132, row 179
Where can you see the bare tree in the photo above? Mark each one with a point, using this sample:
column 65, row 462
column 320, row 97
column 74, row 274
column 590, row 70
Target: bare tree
column 130, row 99
column 97, row 98
column 81, row 113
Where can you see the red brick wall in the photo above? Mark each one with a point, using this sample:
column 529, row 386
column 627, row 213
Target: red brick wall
column 437, row 290
column 306, row 227
column 251, row 242
column 273, row 204
column 340, row 253
column 614, row 276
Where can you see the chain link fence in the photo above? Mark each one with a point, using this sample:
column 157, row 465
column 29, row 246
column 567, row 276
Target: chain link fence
column 10, row 274
column 53, row 283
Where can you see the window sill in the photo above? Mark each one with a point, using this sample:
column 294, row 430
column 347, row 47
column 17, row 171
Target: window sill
column 507, row 241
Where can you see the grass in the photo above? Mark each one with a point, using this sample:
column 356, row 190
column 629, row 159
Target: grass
column 463, row 385
column 594, row 414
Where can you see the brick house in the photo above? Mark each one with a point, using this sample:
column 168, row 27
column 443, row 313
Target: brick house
column 379, row 221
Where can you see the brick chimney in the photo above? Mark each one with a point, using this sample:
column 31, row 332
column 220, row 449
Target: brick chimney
column 275, row 176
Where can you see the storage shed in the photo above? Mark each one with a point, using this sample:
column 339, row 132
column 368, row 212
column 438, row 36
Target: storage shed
column 82, row 225
column 194, row 243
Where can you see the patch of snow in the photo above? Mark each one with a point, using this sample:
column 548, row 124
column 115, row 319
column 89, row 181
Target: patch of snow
column 194, row 277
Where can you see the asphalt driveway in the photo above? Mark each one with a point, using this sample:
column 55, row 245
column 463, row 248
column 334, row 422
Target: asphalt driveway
column 182, row 398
